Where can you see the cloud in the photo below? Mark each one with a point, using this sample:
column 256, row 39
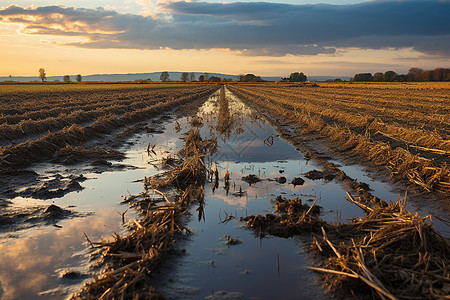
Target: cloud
column 253, row 28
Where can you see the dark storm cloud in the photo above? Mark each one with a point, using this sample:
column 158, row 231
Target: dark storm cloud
column 256, row 28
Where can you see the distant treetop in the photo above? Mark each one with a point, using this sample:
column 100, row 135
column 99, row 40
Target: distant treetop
column 42, row 74
column 297, row 77
column 250, row 78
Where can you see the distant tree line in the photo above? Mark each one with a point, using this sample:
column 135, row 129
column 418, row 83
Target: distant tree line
column 414, row 74
column 190, row 77
column 66, row 78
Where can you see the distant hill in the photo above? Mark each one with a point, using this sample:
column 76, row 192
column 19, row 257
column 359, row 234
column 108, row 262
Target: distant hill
column 154, row 76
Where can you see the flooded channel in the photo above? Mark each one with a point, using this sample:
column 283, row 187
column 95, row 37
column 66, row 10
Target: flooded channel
column 222, row 259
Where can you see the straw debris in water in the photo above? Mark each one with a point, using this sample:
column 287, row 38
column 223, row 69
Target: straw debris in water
column 390, row 253
column 293, row 217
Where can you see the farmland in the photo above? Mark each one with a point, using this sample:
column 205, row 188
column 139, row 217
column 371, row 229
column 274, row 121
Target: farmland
column 404, row 128
column 188, row 191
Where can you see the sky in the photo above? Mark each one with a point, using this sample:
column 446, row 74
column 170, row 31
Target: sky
column 273, row 38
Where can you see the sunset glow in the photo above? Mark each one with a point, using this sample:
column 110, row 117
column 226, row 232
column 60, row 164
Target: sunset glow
column 266, row 38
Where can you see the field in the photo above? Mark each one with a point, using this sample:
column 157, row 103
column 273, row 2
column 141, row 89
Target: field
column 236, row 191
column 52, row 118
column 402, row 127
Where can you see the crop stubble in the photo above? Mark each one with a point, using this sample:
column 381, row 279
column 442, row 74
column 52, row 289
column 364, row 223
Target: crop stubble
column 53, row 121
column 404, row 128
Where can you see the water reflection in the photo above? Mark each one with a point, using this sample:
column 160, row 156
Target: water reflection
column 31, row 259
column 30, row 265
column 249, row 269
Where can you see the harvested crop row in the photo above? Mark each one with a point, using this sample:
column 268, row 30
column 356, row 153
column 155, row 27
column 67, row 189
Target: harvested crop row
column 31, row 127
column 403, row 165
column 28, row 106
column 15, row 107
column 45, row 147
column 412, row 109
column 358, row 121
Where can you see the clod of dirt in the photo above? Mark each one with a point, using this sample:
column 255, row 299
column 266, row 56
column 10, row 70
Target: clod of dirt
column 314, row 175
column 101, row 162
column 297, row 181
column 55, row 188
column 281, row 179
column 79, row 178
column 251, row 179
column 54, row 211
column 70, row 274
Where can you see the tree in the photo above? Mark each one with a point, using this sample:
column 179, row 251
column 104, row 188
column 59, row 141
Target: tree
column 79, row 78
column 206, row 76
column 184, row 76
column 402, row 78
column 42, row 74
column 378, row 76
column 250, row 78
column 164, row 76
column 201, row 78
column 192, row 76
column 414, row 73
column 66, row 78
column 389, row 76
column 363, row 77
column 215, row 79
column 297, row 77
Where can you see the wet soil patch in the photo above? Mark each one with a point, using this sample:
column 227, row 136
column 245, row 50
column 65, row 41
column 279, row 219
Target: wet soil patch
column 12, row 179
column 54, row 188
column 75, row 154
column 19, row 218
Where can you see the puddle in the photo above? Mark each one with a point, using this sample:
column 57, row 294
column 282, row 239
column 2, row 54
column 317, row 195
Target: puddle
column 267, row 268
column 50, row 258
column 33, row 260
